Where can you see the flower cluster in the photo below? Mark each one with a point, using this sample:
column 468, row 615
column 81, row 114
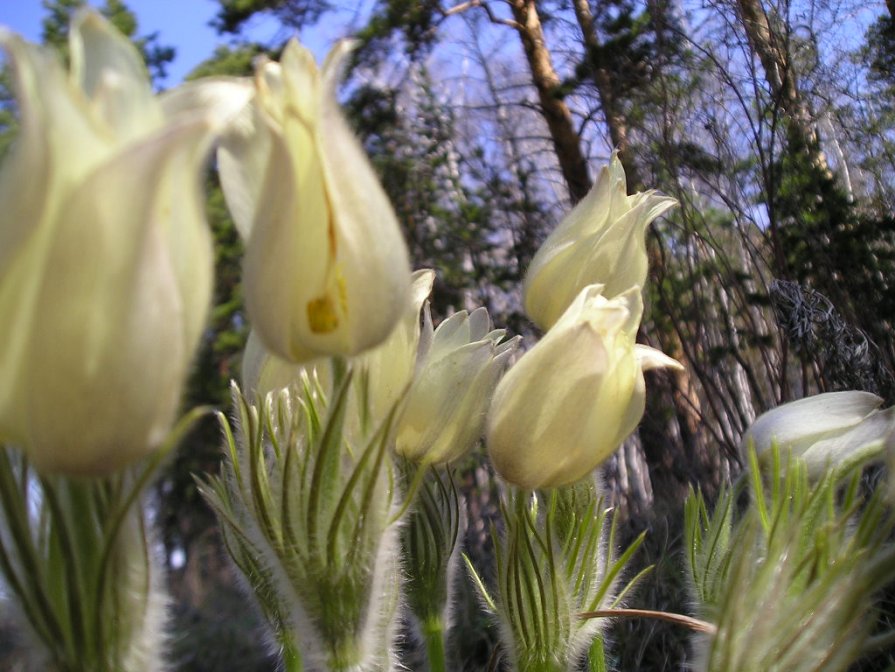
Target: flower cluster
column 106, row 272
column 356, row 405
column 579, row 392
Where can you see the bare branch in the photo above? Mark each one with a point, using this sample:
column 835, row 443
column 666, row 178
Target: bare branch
column 492, row 17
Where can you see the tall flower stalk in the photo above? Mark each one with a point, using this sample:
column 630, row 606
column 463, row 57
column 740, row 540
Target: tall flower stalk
column 431, row 542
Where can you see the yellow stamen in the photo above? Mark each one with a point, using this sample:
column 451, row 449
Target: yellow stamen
column 324, row 311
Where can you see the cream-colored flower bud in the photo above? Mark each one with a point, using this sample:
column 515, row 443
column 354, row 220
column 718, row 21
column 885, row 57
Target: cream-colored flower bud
column 570, row 401
column 390, row 366
column 326, row 265
column 459, row 366
column 825, row 430
column 601, row 241
column 105, row 258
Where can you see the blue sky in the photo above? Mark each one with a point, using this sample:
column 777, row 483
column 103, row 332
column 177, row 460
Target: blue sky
column 182, row 24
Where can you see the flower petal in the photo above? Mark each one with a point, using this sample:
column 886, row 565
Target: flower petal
column 391, row 365
column 245, row 166
column 650, row 358
column 112, row 316
column 602, row 240
column 55, row 121
column 801, row 423
column 220, row 100
column 856, row 444
column 112, row 74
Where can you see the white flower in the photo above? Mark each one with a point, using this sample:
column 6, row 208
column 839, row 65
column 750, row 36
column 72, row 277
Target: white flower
column 326, row 267
column 825, row 430
column 570, row 401
column 459, row 366
column 105, row 258
column 601, row 241
column 388, row 367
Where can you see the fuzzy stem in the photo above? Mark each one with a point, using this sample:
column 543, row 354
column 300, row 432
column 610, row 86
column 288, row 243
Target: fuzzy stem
column 541, row 666
column 687, row 621
column 433, row 633
column 343, row 656
column 291, row 657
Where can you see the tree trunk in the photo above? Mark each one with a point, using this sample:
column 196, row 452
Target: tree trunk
column 554, row 109
column 606, row 90
column 772, row 51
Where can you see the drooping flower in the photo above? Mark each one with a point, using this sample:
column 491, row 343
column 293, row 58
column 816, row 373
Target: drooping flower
column 105, row 258
column 824, row 430
column 601, row 241
column 570, row 401
column 326, row 266
column 459, row 366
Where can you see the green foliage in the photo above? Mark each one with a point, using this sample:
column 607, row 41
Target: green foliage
column 789, row 580
column 430, row 541
column 226, row 61
column 628, row 46
column 296, row 14
column 55, row 24
column 8, row 113
column 80, row 559
column 556, row 564
column 881, row 49
column 627, row 72
column 430, row 538
column 708, row 539
column 305, row 501
column 410, row 25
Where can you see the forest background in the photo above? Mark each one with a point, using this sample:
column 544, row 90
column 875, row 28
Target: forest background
column 771, row 121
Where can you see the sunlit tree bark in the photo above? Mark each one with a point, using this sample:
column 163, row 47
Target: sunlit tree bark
column 554, row 109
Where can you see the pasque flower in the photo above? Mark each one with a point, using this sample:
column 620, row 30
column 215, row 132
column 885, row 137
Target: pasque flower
column 388, row 368
column 458, row 368
column 105, row 258
column 602, row 240
column 570, row 401
column 824, row 430
column 325, row 265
